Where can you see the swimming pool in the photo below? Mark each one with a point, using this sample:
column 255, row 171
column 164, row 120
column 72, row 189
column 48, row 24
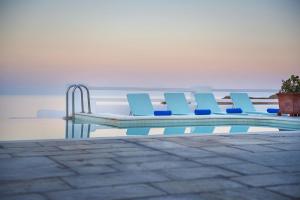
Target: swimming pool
column 48, row 129
column 83, row 131
column 26, row 122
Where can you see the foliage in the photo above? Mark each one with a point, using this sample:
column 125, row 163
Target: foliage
column 291, row 85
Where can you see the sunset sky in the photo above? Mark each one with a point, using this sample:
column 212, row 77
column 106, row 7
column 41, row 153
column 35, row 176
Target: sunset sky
column 178, row 43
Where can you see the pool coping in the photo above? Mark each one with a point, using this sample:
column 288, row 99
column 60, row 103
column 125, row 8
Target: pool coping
column 125, row 121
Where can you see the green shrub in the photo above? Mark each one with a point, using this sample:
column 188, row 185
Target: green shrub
column 291, row 85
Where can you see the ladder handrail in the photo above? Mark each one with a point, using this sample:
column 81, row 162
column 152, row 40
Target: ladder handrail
column 75, row 87
column 88, row 97
column 73, row 100
column 67, row 99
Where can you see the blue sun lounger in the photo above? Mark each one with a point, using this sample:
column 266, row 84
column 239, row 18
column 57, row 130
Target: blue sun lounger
column 140, row 105
column 242, row 100
column 177, row 103
column 207, row 101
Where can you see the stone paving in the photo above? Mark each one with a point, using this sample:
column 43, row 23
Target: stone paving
column 250, row 167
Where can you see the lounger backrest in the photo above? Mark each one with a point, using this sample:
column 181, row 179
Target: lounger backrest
column 177, row 103
column 242, row 100
column 207, row 101
column 140, row 104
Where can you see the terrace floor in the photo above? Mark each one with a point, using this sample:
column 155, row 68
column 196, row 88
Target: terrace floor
column 252, row 166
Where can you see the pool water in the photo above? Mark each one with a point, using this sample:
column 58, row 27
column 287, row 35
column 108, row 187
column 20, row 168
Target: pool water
column 44, row 129
column 78, row 131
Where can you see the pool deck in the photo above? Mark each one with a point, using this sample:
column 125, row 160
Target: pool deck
column 214, row 167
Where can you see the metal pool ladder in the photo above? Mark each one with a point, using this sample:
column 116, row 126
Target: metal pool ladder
column 81, row 88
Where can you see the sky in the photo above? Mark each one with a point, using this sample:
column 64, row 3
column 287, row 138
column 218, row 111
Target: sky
column 47, row 44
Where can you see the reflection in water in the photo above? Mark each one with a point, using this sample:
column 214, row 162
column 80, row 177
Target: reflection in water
column 82, row 131
column 138, row 131
column 239, row 129
column 78, row 131
column 174, row 131
column 202, row 129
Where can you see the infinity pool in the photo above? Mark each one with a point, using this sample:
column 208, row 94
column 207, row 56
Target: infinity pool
column 40, row 118
column 44, row 129
column 78, row 131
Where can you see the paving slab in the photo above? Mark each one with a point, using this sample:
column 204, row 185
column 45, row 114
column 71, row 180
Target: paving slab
column 281, row 158
column 197, row 172
column 114, row 150
column 244, row 194
column 138, row 153
column 240, row 141
column 250, row 168
column 107, row 141
column 162, row 145
column 97, row 146
column 288, row 168
column 4, row 155
column 285, row 139
column 24, row 197
column 37, row 185
column 156, row 165
column 190, row 152
column 141, row 159
column 194, row 141
column 19, row 144
column 46, row 153
column 30, row 168
column 96, row 169
column 192, row 186
column 107, row 193
column 176, row 197
column 288, row 190
column 218, row 160
column 268, row 179
column 63, row 142
column 28, row 149
column 227, row 150
column 117, row 178
column 255, row 148
column 81, row 156
column 88, row 162
column 288, row 147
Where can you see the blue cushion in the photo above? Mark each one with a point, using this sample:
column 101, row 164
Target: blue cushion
column 202, row 112
column 234, row 110
column 162, row 112
column 273, row 110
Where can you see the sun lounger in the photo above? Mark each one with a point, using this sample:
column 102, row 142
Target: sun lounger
column 207, row 101
column 140, row 105
column 177, row 103
column 242, row 100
